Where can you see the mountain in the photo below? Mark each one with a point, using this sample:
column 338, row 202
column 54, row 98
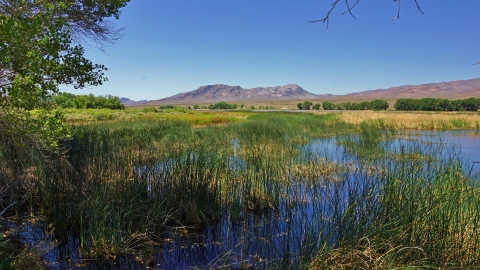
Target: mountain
column 222, row 92
column 127, row 101
column 451, row 90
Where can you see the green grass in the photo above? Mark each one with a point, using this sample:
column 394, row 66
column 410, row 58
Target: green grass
column 121, row 184
column 194, row 117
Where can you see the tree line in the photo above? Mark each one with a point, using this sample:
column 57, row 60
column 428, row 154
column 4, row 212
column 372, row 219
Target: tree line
column 222, row 106
column 375, row 105
column 437, row 104
column 306, row 105
column 327, row 105
column 90, row 101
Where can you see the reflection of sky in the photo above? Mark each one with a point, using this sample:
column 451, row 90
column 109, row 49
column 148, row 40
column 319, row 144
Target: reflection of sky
column 467, row 142
column 305, row 210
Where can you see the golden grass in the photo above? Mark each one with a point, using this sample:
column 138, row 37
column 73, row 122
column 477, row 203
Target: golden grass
column 197, row 118
column 415, row 120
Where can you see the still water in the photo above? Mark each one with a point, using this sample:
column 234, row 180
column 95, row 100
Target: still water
column 269, row 240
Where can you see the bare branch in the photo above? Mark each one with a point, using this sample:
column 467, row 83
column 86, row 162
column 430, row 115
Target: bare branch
column 327, row 17
column 349, row 10
column 418, row 7
column 398, row 14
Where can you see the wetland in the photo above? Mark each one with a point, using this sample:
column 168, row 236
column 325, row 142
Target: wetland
column 273, row 191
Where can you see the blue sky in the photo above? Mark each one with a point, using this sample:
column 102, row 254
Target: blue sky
column 176, row 46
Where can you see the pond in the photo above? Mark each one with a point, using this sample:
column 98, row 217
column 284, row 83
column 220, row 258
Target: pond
column 281, row 237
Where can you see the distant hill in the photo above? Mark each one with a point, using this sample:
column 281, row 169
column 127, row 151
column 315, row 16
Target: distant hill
column 222, row 92
column 450, row 90
column 127, row 101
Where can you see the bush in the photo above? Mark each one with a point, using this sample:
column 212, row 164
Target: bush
column 222, row 106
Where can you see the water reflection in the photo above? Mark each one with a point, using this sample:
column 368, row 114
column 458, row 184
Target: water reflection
column 273, row 239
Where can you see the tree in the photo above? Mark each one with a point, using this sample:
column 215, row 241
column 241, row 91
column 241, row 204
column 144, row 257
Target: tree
column 306, row 105
column 317, row 106
column 378, row 105
column 40, row 49
column 327, row 105
column 349, row 8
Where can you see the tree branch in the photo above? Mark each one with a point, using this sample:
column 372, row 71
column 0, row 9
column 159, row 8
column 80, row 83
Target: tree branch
column 327, row 17
column 350, row 8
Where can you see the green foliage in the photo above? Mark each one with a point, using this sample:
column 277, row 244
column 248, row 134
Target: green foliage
column 67, row 100
column 37, row 55
column 305, row 105
column 169, row 107
column 127, row 182
column 437, row 104
column 222, row 106
column 378, row 105
column 317, row 106
column 40, row 50
column 375, row 105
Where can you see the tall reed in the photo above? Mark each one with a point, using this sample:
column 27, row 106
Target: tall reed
column 368, row 201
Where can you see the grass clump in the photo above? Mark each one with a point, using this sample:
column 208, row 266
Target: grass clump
column 367, row 202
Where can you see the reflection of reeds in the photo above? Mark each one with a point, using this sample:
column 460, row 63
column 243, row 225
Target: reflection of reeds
column 124, row 184
column 416, row 120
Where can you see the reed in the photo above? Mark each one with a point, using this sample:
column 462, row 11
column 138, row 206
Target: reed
column 361, row 200
column 416, row 120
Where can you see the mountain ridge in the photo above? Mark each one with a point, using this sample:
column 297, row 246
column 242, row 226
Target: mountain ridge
column 221, row 92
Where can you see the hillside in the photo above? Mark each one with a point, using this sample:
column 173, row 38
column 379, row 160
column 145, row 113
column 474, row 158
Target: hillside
column 293, row 92
column 450, row 90
column 222, row 92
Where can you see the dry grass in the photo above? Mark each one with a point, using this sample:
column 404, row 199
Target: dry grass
column 368, row 256
column 194, row 117
column 415, row 120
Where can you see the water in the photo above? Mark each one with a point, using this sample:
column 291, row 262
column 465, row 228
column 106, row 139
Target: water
column 467, row 141
column 271, row 239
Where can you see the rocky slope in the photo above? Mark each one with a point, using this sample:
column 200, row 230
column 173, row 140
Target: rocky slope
column 222, row 92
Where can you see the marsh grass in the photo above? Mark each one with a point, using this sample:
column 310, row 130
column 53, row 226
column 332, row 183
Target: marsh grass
column 198, row 118
column 416, row 120
column 123, row 186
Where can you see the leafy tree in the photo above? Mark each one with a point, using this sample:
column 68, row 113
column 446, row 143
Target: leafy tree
column 306, row 105
column 196, row 107
column 437, row 104
column 40, row 49
column 300, row 106
column 166, row 107
column 327, row 105
column 222, row 105
column 378, row 105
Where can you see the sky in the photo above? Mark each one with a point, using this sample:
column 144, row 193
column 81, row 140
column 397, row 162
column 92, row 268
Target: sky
column 170, row 47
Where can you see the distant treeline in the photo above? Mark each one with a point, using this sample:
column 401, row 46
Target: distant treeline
column 90, row 101
column 306, row 105
column 365, row 105
column 437, row 104
column 222, row 106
